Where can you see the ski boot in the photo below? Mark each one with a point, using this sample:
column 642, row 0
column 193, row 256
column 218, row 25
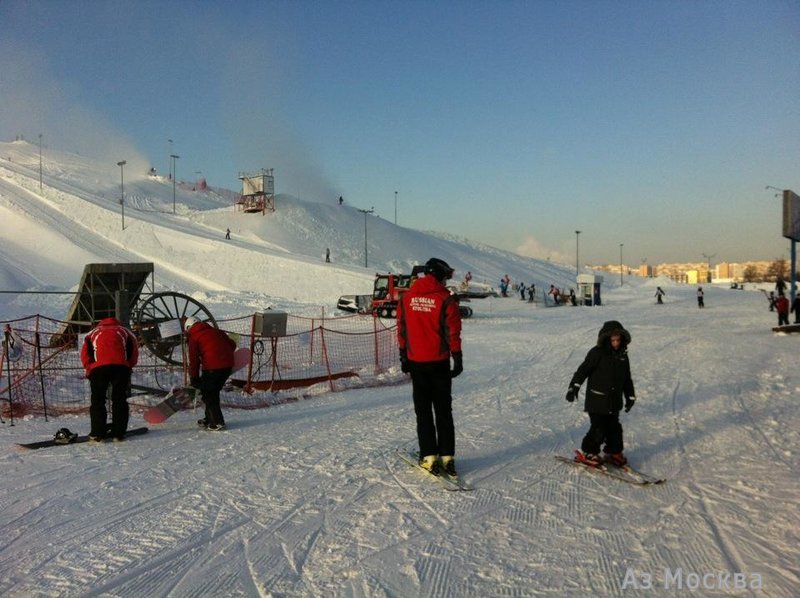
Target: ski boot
column 590, row 459
column 430, row 463
column 617, row 459
column 449, row 466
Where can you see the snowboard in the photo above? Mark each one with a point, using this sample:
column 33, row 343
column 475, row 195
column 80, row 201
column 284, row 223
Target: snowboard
column 178, row 398
column 77, row 440
column 241, row 359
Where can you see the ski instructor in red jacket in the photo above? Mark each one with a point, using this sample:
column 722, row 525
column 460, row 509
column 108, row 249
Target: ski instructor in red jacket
column 429, row 333
column 212, row 349
column 109, row 353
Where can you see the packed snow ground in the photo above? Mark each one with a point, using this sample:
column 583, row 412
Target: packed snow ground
column 310, row 499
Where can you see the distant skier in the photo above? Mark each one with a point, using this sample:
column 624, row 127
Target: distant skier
column 531, row 293
column 522, row 291
column 572, row 298
column 796, row 308
column 782, row 306
column 228, row 233
column 660, row 295
column 700, row 300
column 609, row 380
column 555, row 293
column 327, row 255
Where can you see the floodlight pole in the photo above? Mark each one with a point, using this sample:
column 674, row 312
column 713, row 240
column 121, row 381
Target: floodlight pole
column 174, row 177
column 395, row 208
column 792, row 244
column 365, row 212
column 121, row 165
column 620, row 263
column 708, row 258
column 577, row 252
column 40, row 162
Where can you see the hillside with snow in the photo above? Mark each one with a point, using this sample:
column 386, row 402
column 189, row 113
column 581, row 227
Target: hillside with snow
column 309, row 498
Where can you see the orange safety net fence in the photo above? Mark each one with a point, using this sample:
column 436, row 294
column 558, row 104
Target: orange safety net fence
column 42, row 372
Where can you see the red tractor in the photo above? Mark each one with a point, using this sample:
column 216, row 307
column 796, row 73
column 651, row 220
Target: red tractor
column 386, row 293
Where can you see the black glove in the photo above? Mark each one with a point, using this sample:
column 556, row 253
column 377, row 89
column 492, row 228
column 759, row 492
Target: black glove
column 404, row 362
column 458, row 364
column 629, row 402
column 194, row 382
column 572, row 393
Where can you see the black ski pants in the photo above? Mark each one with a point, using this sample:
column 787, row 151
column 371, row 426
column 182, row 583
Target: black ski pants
column 605, row 429
column 432, row 387
column 119, row 378
column 211, row 383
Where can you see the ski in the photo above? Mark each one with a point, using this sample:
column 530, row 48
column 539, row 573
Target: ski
column 453, row 484
column 76, row 440
column 623, row 474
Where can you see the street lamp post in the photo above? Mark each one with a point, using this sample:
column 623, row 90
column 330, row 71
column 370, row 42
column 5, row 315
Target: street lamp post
column 620, row 263
column 708, row 258
column 395, row 208
column 121, row 165
column 174, row 176
column 40, row 162
column 365, row 212
column 577, row 252
column 169, row 162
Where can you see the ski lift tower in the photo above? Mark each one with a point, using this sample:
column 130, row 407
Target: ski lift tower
column 258, row 191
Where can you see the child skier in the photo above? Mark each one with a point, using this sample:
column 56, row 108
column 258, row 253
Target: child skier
column 608, row 370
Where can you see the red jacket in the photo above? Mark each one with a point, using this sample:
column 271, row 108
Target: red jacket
column 209, row 347
column 782, row 305
column 109, row 343
column 428, row 322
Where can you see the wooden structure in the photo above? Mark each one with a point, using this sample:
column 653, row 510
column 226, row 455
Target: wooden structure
column 258, row 192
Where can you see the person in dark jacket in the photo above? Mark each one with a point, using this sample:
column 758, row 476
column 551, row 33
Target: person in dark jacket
column 609, row 381
column 796, row 308
column 429, row 333
column 210, row 364
column 109, row 353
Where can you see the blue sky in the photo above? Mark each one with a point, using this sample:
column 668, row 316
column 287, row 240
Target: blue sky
column 652, row 124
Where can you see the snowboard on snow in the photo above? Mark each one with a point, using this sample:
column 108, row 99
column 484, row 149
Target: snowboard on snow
column 75, row 440
column 180, row 398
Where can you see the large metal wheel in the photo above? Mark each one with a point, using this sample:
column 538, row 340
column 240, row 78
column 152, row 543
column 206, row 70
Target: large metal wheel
column 164, row 307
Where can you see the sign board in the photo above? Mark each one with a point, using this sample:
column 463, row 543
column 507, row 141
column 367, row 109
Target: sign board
column 791, row 215
column 170, row 328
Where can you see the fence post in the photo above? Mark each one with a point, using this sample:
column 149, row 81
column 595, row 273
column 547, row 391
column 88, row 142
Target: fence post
column 41, row 372
column 7, row 341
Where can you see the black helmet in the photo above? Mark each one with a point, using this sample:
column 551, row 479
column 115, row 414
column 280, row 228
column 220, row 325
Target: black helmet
column 440, row 269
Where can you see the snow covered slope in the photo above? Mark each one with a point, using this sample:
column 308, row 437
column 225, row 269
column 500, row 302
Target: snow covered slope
column 309, row 499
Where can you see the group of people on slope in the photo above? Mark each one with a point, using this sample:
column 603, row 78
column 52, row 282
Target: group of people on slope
column 110, row 352
column 429, row 337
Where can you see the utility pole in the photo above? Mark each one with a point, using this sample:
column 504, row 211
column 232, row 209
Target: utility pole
column 121, row 165
column 174, row 169
column 365, row 212
column 395, row 208
column 40, row 162
column 577, row 252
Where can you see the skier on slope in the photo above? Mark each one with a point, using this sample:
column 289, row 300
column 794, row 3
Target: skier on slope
column 429, row 333
column 609, row 373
